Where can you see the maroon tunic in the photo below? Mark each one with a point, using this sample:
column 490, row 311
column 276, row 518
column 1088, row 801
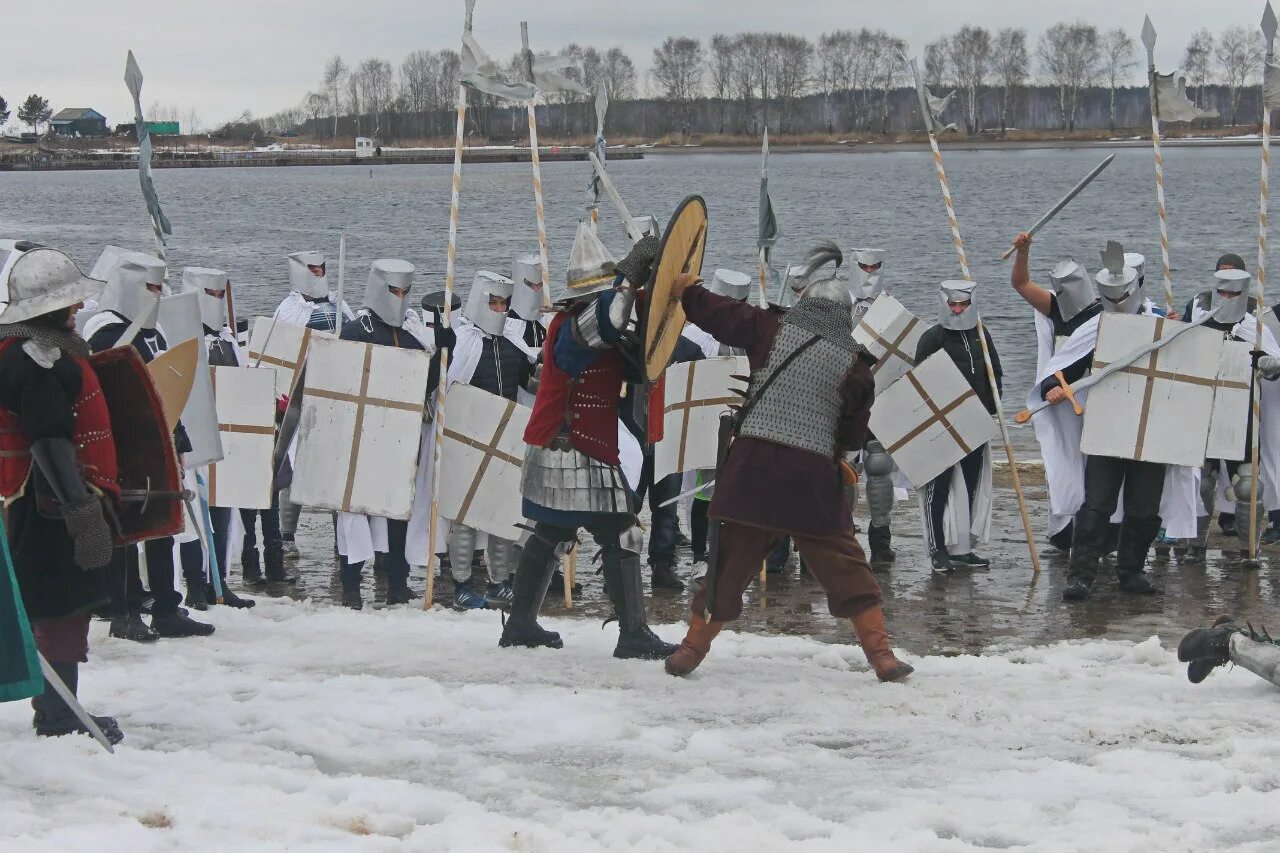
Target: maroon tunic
column 763, row 483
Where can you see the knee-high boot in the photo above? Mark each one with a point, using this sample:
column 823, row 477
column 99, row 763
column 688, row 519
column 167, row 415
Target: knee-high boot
column 533, row 576
column 1086, row 549
column 625, row 584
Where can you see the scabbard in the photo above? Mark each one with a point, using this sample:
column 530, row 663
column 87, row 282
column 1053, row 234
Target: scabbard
column 723, row 438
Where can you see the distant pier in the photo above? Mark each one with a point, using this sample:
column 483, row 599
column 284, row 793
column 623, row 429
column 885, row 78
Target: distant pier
column 49, row 161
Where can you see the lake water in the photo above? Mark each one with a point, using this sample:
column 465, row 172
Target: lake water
column 246, row 220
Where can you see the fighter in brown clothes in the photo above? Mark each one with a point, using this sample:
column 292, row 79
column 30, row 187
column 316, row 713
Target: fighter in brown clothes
column 782, row 476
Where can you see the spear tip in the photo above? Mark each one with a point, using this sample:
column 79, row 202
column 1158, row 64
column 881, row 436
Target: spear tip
column 132, row 74
column 1269, row 24
column 1149, row 35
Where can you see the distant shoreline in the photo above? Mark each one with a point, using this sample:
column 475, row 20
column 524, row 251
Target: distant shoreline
column 959, row 145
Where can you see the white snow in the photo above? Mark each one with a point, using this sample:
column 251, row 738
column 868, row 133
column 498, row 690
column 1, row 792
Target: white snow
column 308, row 727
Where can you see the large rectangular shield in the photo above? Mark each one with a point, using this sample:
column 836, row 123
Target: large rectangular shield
column 1157, row 409
column 930, row 419
column 1228, row 425
column 246, row 399
column 362, row 409
column 697, row 392
column 180, row 322
column 148, row 464
column 890, row 333
column 282, row 347
column 480, row 461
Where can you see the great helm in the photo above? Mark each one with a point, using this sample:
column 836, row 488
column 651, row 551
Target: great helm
column 526, row 276
column 869, row 281
column 303, row 280
column 957, row 292
column 1119, row 285
column 731, row 283
column 202, row 280
column 1073, row 288
column 1231, row 291
column 385, row 274
column 38, row 280
column 127, row 293
column 488, row 285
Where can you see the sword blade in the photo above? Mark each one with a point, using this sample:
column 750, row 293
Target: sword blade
column 1067, row 199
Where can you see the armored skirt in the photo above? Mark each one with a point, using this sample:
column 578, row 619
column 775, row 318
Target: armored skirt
column 565, row 487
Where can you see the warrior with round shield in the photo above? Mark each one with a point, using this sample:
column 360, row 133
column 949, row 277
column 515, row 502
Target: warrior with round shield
column 808, row 403
column 58, row 470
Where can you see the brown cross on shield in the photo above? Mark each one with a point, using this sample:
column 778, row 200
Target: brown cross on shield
column 894, row 347
column 937, row 415
column 688, row 405
column 490, row 450
column 250, row 429
column 362, row 401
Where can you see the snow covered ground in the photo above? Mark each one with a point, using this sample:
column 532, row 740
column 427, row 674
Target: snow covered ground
column 309, row 727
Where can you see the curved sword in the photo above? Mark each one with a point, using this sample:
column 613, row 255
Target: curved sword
column 1116, row 366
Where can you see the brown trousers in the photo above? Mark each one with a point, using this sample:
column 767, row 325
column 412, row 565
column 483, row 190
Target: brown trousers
column 63, row 640
column 838, row 563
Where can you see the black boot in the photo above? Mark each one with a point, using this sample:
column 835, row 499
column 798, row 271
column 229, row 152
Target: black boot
column 625, row 585
column 1135, row 540
column 664, row 575
column 273, row 556
column 177, row 624
column 132, row 627
column 250, row 568
column 199, row 594
column 1204, row 649
column 533, row 577
column 1088, row 540
column 230, row 599
column 1198, row 548
column 53, row 717
column 879, row 540
column 1062, row 539
column 351, row 598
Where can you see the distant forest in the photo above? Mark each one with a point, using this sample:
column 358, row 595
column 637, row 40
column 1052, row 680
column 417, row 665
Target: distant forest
column 1074, row 77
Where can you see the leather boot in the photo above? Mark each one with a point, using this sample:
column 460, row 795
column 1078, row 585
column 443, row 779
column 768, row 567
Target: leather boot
column 1198, row 548
column 53, row 717
column 664, row 575
column 250, row 568
column 869, row 626
column 694, row 647
column 879, row 540
column 1135, row 539
column 1087, row 543
column 273, row 554
column 625, row 584
column 1204, row 649
column 533, row 577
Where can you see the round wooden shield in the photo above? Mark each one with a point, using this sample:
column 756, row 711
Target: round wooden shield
column 683, row 246
column 173, row 372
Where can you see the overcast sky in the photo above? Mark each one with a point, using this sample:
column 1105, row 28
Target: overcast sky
column 226, row 56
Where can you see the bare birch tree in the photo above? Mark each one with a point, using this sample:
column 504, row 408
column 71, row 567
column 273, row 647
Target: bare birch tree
column 1239, row 54
column 1012, row 66
column 970, row 54
column 1117, row 61
column 1070, row 58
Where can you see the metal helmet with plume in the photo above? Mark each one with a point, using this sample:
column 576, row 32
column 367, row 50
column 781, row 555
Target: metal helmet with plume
column 824, row 286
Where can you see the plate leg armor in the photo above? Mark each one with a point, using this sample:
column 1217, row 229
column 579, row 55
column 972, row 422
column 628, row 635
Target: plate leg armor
column 539, row 560
column 1208, row 497
column 289, row 513
column 462, row 548
column 1259, row 657
column 1242, row 487
column 625, row 582
column 878, row 466
column 500, row 553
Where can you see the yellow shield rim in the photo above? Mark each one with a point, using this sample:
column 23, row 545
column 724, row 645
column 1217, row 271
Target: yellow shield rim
column 683, row 246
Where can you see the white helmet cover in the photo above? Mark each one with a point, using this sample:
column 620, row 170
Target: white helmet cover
column 731, row 283
column 957, row 292
column 1231, row 291
column 869, row 283
column 126, row 294
column 385, row 274
column 213, row 309
column 488, row 285
column 526, row 275
column 39, row 280
column 1119, row 284
column 1139, row 263
column 1073, row 288
column 303, row 280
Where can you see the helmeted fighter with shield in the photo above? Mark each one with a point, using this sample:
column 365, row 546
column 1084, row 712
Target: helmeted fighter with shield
column 384, row 319
column 807, row 404
column 485, row 357
column 525, row 318
column 957, row 503
column 574, row 472
column 58, row 470
column 869, row 280
column 130, row 301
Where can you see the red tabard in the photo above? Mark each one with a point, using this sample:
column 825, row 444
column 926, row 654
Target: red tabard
column 95, row 447
column 587, row 404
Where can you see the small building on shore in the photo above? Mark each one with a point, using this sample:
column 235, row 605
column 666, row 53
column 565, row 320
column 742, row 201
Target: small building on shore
column 79, row 121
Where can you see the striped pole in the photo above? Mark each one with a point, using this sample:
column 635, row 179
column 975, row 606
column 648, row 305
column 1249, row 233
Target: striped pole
column 441, row 390
column 982, row 331
column 1264, row 198
column 1149, row 42
column 535, row 158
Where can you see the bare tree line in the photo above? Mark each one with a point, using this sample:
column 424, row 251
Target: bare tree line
column 848, row 81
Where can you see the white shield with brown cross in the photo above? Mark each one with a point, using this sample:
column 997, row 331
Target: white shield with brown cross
column 362, row 409
column 930, row 419
column 890, row 333
column 1158, row 408
column 1229, row 424
column 282, row 347
column 697, row 392
column 480, row 461
column 246, row 404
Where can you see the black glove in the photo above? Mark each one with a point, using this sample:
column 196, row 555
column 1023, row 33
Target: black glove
column 87, row 525
column 637, row 266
